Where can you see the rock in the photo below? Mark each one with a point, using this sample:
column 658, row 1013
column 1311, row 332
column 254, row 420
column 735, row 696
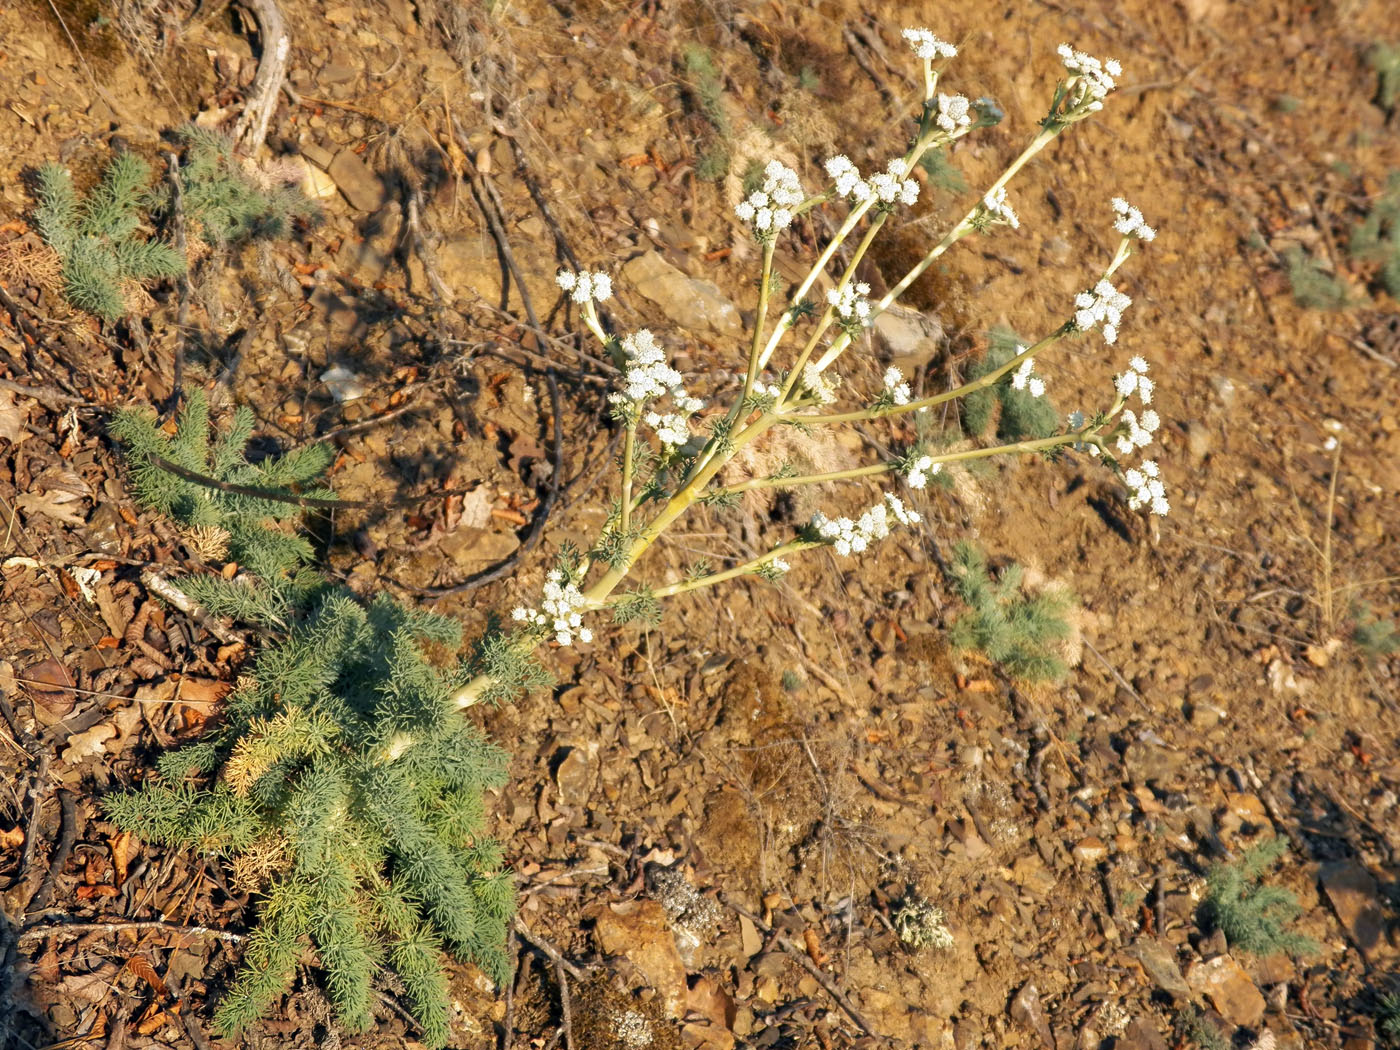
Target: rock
column 1140, row 1034
column 574, row 777
column 911, row 338
column 1229, row 989
column 1353, row 894
column 1160, row 965
column 1090, row 850
column 1026, row 1009
column 343, row 384
column 640, row 933
column 360, row 186
column 687, row 301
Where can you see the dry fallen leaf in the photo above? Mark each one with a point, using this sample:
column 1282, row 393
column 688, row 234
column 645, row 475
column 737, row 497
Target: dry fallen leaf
column 12, row 839
column 121, row 846
column 11, row 419
column 81, row 745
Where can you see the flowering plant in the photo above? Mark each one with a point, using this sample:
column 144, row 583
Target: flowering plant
column 667, row 466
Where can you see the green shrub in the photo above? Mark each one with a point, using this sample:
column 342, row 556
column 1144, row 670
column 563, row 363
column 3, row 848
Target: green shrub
column 1313, row 287
column 97, row 237
column 1019, row 414
column 375, row 856
column 1013, row 629
column 1253, row 916
column 229, row 205
column 1376, row 239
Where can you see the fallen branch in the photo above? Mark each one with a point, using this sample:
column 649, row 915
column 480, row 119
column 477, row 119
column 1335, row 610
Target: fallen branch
column 168, row 592
column 251, row 130
column 61, row 929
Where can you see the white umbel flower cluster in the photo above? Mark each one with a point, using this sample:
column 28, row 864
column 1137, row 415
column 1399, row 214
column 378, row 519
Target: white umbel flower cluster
column 1128, row 221
column 647, row 375
column 778, row 566
column 954, row 113
column 852, row 537
column 585, row 287
column 1102, row 305
column 559, row 611
column 896, row 387
column 927, row 46
column 769, row 208
column 887, row 187
column 998, row 210
column 1093, row 79
column 1024, row 378
column 850, row 302
column 819, row 385
column 921, row 470
column 1139, row 432
column 1135, row 381
column 1145, row 488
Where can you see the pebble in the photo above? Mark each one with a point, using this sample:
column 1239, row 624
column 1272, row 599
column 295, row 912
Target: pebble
column 1090, row 850
column 1229, row 989
column 1027, row 1009
column 360, row 186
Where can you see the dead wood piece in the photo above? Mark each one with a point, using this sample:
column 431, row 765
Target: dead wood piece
column 168, row 592
column 251, row 130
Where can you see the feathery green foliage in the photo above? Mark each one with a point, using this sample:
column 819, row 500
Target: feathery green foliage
column 1021, row 415
column 1313, row 287
column 1195, row 1029
column 97, row 237
column 1384, row 58
column 1013, row 629
column 1254, row 916
column 706, row 88
column 1377, row 238
column 1376, row 637
column 382, row 859
column 1388, row 1018
column 229, row 205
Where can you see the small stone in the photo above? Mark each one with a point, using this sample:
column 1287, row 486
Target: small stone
column 911, row 338
column 1090, row 850
column 1026, row 1009
column 1205, row 716
column 685, row 300
column 1160, row 965
column 640, row 932
column 361, row 187
column 574, row 778
column 1355, row 898
column 1229, row 989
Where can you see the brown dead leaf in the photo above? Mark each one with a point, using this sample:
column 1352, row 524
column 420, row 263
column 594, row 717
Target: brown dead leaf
column 82, row 745
column 89, row 893
column 56, row 503
column 91, row 987
column 12, row 839
column 141, row 967
column 12, row 418
column 122, row 846
column 814, row 947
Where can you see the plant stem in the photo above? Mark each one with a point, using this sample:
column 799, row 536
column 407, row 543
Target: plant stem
column 629, row 446
column 749, row 567
column 794, row 480
column 751, row 376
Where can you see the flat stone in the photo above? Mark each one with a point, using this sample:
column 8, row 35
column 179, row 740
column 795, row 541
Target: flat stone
column 687, row 301
column 1228, row 987
column 1027, row 1009
column 1355, row 898
column 1160, row 964
column 357, row 183
column 1090, row 850
column 639, row 932
column 910, row 337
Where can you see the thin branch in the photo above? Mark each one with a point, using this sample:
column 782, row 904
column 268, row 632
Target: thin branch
column 251, row 130
column 67, row 929
column 164, row 589
column 555, row 956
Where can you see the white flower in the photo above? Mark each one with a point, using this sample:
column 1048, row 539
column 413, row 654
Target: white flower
column 584, row 287
column 1128, row 221
column 769, row 208
column 1103, row 305
column 818, row 385
column 647, row 374
column 1146, row 490
column 890, row 186
column 850, row 302
column 927, row 46
column 778, row 565
column 1138, row 364
column 852, row 537
column 896, row 387
column 923, row 468
column 559, row 611
column 1093, row 79
column 1021, row 375
column 998, row 210
column 1036, row 386
column 673, row 429
column 843, row 172
column 953, row 113
column 1024, row 378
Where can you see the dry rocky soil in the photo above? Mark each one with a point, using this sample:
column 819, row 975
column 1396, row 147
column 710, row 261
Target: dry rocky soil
column 715, row 821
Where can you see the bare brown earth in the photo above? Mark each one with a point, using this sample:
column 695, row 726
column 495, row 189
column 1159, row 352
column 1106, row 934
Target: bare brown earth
column 715, row 856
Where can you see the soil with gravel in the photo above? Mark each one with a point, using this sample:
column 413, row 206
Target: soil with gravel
column 719, row 823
